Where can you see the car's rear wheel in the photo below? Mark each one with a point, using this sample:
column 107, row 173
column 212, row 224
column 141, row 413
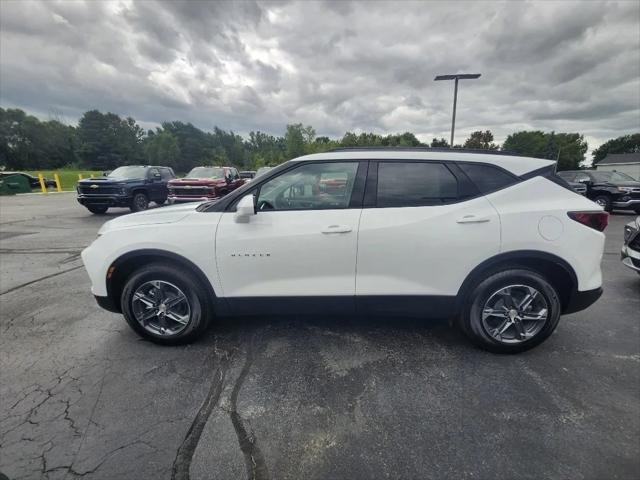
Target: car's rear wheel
column 97, row 209
column 166, row 304
column 604, row 201
column 139, row 202
column 511, row 311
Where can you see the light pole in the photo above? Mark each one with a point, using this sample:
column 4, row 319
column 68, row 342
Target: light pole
column 460, row 76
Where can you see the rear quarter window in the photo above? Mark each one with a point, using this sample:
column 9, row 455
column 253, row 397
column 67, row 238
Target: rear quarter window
column 488, row 178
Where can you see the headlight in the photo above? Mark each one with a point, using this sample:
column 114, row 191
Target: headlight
column 626, row 189
column 628, row 232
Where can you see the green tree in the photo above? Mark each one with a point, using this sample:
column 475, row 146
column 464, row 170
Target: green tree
column 526, row 143
column 295, row 141
column 572, row 150
column 161, row 148
column 439, row 143
column 481, row 140
column 568, row 148
column 195, row 146
column 108, row 141
column 28, row 143
column 624, row 144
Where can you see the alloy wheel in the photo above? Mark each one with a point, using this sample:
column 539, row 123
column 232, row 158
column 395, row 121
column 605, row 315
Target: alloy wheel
column 141, row 202
column 161, row 308
column 515, row 314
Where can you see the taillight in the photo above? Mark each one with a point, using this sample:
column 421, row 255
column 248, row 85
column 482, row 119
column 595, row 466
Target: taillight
column 596, row 220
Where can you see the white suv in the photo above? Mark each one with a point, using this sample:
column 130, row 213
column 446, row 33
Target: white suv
column 495, row 241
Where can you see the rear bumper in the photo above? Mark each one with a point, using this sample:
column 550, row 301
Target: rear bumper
column 582, row 300
column 106, row 200
column 107, row 304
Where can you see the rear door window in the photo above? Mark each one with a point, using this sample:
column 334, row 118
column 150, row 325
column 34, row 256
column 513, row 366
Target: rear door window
column 412, row 184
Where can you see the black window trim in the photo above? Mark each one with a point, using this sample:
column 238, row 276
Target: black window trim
column 355, row 202
column 370, row 181
column 467, row 189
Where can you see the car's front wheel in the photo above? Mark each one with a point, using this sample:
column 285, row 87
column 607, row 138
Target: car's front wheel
column 511, row 311
column 604, row 201
column 97, row 209
column 166, row 304
column 139, row 202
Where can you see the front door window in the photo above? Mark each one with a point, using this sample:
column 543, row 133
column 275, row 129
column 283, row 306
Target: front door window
column 316, row 186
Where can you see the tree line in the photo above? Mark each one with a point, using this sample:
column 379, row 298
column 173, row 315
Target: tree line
column 103, row 141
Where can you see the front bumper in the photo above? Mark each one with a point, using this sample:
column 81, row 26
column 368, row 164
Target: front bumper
column 107, row 304
column 630, row 258
column 183, row 199
column 634, row 202
column 582, row 300
column 106, row 200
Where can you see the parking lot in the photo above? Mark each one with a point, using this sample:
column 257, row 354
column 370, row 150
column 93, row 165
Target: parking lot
column 292, row 398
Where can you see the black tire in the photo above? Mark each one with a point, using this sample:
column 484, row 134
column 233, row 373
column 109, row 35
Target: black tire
column 161, row 202
column 604, row 201
column 200, row 305
column 97, row 209
column 139, row 202
column 471, row 323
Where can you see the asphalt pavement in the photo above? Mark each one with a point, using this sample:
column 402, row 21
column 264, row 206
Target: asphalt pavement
column 291, row 398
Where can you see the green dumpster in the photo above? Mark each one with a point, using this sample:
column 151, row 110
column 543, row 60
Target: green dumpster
column 12, row 184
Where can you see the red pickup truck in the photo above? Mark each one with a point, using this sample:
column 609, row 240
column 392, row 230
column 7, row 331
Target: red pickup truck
column 204, row 183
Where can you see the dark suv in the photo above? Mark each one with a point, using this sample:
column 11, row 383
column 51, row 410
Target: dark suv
column 133, row 186
column 608, row 189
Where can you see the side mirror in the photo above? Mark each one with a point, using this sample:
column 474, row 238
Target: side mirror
column 245, row 209
column 157, row 176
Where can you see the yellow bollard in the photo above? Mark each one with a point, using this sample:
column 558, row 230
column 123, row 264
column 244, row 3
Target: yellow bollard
column 57, row 179
column 42, row 185
column 79, row 176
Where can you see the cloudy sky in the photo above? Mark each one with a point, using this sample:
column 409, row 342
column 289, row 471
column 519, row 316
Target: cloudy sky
column 566, row 66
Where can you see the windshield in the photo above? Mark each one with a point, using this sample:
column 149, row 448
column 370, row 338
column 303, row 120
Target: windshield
column 206, row 172
column 127, row 172
column 612, row 177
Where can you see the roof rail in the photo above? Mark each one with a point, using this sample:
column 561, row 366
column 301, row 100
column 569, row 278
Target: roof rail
column 425, row 149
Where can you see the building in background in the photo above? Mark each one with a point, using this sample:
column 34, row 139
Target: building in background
column 628, row 163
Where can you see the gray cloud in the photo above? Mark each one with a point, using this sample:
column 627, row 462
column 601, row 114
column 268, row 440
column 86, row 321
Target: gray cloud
column 360, row 66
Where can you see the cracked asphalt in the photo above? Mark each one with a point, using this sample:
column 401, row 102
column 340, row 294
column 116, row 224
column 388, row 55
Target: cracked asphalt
column 289, row 398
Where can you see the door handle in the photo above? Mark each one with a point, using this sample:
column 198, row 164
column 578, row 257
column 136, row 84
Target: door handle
column 473, row 219
column 336, row 229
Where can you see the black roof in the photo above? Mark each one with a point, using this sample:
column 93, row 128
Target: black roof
column 620, row 158
column 425, row 149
